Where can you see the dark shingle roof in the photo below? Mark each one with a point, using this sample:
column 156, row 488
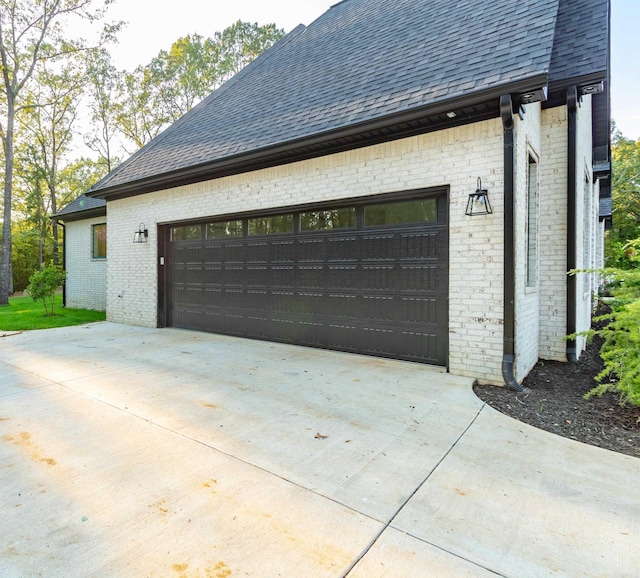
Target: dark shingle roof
column 82, row 207
column 361, row 61
column 581, row 46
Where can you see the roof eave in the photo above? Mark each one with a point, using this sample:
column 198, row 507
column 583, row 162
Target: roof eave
column 81, row 215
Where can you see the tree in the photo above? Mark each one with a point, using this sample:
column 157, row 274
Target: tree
column 31, row 33
column 138, row 117
column 176, row 80
column 104, row 80
column 32, row 229
column 184, row 75
column 48, row 115
column 241, row 43
column 626, row 189
column 625, row 155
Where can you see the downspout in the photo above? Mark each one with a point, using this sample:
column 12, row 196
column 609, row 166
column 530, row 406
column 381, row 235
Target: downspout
column 64, row 261
column 508, row 352
column 572, row 109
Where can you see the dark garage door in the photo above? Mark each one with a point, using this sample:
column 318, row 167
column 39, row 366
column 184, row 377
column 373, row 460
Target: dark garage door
column 367, row 278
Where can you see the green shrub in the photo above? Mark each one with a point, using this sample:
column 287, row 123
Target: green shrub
column 43, row 285
column 620, row 350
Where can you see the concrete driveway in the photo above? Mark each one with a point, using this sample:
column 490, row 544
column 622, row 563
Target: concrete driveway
column 140, row 452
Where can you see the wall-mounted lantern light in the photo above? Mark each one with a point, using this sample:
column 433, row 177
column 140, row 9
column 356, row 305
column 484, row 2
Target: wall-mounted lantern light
column 478, row 203
column 141, row 235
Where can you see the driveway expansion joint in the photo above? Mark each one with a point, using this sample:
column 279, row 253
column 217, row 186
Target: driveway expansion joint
column 389, row 523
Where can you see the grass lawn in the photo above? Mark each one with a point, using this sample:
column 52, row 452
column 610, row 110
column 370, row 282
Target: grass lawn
column 24, row 313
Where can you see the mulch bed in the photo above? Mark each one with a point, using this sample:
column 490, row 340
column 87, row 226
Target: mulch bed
column 555, row 403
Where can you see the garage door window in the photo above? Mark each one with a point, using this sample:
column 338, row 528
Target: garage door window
column 271, row 225
column 420, row 211
column 331, row 219
column 186, row 233
column 224, row 229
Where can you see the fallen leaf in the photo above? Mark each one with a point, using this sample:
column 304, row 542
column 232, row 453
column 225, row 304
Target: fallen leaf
column 319, row 436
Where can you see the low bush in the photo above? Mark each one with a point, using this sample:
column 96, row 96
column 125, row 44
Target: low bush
column 43, row 285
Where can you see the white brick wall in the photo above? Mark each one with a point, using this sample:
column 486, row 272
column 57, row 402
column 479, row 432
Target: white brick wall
column 450, row 157
column 553, row 325
column 527, row 299
column 553, row 234
column 86, row 285
column 454, row 157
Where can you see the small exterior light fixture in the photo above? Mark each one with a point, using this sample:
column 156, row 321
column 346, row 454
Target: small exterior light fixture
column 592, row 88
column 478, row 203
column 140, row 236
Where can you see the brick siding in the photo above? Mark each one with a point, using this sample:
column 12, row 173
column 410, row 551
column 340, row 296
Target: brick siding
column 86, row 285
column 453, row 158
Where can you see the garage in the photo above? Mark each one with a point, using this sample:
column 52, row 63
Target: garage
column 367, row 276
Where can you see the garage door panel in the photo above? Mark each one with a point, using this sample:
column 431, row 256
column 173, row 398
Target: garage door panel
column 379, row 248
column 341, row 248
column 379, row 277
column 307, row 276
column 311, row 250
column 381, row 292
column 422, row 278
column 419, row 246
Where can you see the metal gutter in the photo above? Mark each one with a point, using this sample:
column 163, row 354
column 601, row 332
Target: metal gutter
column 572, row 141
column 81, row 215
column 509, row 344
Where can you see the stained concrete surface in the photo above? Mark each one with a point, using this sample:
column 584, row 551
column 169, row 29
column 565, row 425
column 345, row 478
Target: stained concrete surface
column 127, row 451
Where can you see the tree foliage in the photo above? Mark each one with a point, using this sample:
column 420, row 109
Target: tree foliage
column 103, row 80
column 154, row 96
column 32, row 33
column 626, row 199
column 47, row 120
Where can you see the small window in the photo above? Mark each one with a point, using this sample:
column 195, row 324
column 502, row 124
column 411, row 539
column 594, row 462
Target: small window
column 186, row 233
column 271, row 225
column 224, row 229
column 332, row 219
column 425, row 210
column 99, row 246
column 532, row 223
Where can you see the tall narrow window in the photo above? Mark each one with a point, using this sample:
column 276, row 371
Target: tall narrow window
column 586, row 239
column 99, row 245
column 532, row 223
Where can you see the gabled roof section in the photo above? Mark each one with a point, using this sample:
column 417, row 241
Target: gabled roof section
column 82, row 207
column 362, row 62
column 581, row 45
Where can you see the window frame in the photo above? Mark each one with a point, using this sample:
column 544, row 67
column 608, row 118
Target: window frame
column 532, row 222
column 95, row 242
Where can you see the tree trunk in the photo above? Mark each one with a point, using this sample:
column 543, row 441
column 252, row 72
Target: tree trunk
column 54, row 225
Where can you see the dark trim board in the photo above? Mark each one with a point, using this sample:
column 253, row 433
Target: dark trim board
column 377, row 289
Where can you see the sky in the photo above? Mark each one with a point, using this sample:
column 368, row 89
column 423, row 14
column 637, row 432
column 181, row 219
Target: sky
column 155, row 24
